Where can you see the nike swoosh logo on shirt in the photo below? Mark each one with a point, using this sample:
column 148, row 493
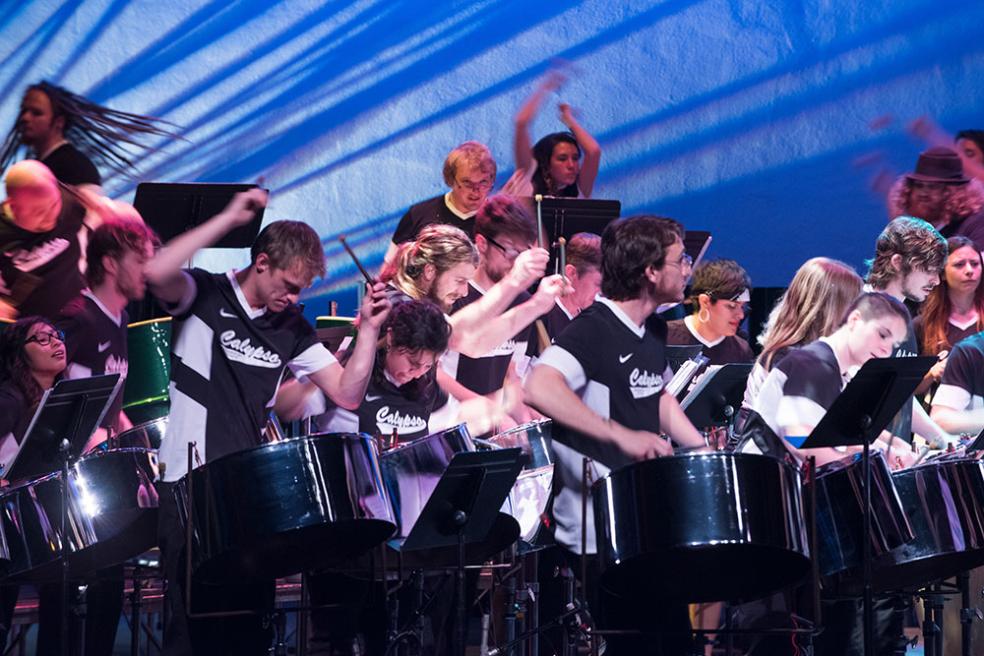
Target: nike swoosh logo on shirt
column 103, row 347
column 370, row 398
column 227, row 315
column 622, row 359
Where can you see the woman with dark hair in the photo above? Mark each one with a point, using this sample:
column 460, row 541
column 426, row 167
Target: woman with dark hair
column 954, row 309
column 561, row 163
column 32, row 358
column 719, row 292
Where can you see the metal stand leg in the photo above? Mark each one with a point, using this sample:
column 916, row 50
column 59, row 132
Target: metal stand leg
column 135, row 602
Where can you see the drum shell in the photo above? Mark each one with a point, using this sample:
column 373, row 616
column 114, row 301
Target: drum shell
column 281, row 508
column 944, row 501
column 147, row 435
column 411, row 472
column 146, row 395
column 530, row 494
column 112, row 515
column 701, row 527
column 840, row 517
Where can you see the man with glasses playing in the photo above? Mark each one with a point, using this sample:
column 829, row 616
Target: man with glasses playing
column 469, row 171
column 503, row 230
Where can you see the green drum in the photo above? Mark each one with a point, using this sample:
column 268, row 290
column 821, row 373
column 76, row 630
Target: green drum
column 332, row 331
column 335, row 322
column 145, row 396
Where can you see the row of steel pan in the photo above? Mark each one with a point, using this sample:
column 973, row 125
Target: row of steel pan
column 731, row 526
column 274, row 510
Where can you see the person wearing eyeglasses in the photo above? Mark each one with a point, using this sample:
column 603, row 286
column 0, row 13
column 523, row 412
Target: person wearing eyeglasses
column 469, row 171
column 504, row 231
column 719, row 292
column 32, row 360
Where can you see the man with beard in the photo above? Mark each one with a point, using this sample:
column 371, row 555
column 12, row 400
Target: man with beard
column 95, row 329
column 941, row 194
column 504, row 235
column 602, row 383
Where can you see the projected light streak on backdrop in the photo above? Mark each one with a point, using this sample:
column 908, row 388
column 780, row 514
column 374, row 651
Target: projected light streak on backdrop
column 742, row 118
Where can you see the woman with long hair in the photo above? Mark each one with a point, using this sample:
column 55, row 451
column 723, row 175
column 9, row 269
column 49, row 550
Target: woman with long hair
column 813, row 306
column 953, row 310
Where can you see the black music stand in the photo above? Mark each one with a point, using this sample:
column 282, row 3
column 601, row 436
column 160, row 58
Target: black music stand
column 173, row 208
column 977, row 444
column 565, row 217
column 712, row 402
column 857, row 416
column 69, row 412
column 462, row 509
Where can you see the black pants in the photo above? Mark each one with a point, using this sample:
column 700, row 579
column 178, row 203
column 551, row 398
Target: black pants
column 667, row 625
column 104, row 603
column 184, row 636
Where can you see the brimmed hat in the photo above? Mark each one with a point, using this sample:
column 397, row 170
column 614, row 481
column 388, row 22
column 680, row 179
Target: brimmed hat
column 939, row 164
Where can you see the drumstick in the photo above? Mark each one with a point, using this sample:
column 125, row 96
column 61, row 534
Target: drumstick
column 542, row 337
column 539, row 219
column 362, row 269
column 562, row 245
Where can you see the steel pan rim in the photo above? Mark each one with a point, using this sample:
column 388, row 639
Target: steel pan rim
column 403, row 446
column 522, row 428
column 278, row 446
column 711, row 455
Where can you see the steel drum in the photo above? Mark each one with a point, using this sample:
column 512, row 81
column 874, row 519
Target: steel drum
column 840, row 514
column 944, row 501
column 112, row 515
column 701, row 527
column 282, row 508
column 530, row 494
column 146, row 396
column 147, row 435
column 411, row 471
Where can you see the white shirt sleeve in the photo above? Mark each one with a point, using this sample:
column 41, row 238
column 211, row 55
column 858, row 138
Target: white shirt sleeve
column 563, row 361
column 315, row 358
column 952, row 396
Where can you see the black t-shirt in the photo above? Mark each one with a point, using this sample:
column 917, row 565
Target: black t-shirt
column 428, row 212
column 953, row 334
column 95, row 344
column 71, row 166
column 730, row 350
column 39, row 271
column 227, row 361
column 971, row 227
column 485, row 374
column 901, row 424
column 554, row 323
column 962, row 385
column 386, row 407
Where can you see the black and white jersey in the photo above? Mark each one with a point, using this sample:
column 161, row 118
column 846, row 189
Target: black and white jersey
column 733, row 349
column 554, row 323
column 95, row 344
column 39, row 271
column 962, row 385
column 799, row 389
column 71, row 166
column 385, row 408
column 15, row 417
column 485, row 374
column 618, row 369
column 431, row 211
column 227, row 360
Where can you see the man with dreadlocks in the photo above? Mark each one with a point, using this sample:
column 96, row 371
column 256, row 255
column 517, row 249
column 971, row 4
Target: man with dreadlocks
column 71, row 134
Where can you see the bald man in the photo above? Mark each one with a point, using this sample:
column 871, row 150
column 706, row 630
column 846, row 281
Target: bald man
column 39, row 244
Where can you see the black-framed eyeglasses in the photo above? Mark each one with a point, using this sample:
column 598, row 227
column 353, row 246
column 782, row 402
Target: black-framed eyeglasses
column 509, row 253
column 685, row 261
column 44, row 338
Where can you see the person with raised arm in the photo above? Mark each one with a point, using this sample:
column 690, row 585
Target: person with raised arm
column 234, row 334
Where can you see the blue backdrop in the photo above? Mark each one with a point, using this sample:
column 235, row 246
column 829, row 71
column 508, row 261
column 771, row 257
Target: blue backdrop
column 746, row 118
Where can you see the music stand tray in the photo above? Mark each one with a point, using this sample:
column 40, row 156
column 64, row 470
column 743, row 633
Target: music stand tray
column 71, row 410
column 869, row 402
column 713, row 401
column 475, row 483
column 173, row 208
